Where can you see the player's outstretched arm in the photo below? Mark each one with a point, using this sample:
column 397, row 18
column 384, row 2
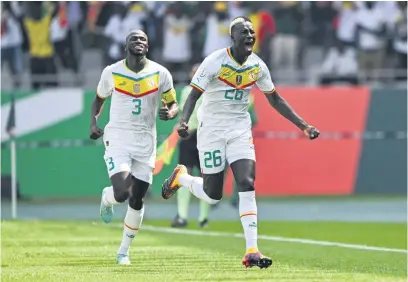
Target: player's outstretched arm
column 96, row 110
column 189, row 105
column 188, row 109
column 283, row 107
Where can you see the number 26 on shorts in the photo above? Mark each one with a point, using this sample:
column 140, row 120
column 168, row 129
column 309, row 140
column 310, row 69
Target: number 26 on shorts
column 212, row 159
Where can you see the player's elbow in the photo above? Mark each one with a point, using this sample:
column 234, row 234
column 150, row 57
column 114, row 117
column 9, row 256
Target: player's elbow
column 273, row 99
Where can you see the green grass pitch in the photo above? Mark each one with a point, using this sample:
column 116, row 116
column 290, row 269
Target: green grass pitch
column 60, row 251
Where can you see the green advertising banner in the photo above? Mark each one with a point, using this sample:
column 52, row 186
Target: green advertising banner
column 55, row 157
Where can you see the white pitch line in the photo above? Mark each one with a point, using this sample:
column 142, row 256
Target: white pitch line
column 270, row 238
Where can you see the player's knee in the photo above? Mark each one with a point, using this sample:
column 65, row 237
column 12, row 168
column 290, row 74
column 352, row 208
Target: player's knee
column 246, row 184
column 120, row 194
column 214, row 195
column 213, row 184
column 135, row 202
column 121, row 191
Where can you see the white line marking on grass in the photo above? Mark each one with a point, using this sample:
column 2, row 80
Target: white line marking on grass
column 270, row 238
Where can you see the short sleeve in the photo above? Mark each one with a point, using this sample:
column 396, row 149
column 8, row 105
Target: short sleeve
column 204, row 74
column 166, row 86
column 264, row 81
column 105, row 85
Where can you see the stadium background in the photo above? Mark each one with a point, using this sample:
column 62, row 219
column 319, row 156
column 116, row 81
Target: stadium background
column 362, row 149
column 334, row 209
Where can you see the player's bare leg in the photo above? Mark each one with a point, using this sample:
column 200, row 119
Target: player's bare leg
column 115, row 194
column 133, row 219
column 211, row 192
column 244, row 173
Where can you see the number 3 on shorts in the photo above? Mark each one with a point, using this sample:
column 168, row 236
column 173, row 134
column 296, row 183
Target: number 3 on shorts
column 110, row 163
column 212, row 159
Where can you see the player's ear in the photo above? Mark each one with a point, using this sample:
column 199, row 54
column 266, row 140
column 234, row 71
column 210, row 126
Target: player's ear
column 125, row 48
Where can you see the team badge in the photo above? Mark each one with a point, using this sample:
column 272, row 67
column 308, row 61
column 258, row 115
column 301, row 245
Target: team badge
column 238, row 79
column 136, row 88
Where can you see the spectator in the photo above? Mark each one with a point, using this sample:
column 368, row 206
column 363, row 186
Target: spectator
column 340, row 65
column 217, row 29
column 322, row 15
column 264, row 26
column 400, row 41
column 11, row 43
column 288, row 18
column 237, row 9
column 177, row 43
column 347, row 23
column 37, row 24
column 135, row 17
column 370, row 39
column 114, row 35
column 59, row 36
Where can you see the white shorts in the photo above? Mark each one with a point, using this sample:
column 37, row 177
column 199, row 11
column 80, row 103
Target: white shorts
column 216, row 146
column 120, row 156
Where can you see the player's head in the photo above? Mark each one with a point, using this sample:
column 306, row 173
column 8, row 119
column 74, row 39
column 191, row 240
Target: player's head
column 137, row 43
column 242, row 34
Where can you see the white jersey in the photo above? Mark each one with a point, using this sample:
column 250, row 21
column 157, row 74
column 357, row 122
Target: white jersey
column 136, row 98
column 226, row 85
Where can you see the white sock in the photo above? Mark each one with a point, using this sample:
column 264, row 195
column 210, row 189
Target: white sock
column 248, row 213
column 195, row 185
column 133, row 220
column 109, row 197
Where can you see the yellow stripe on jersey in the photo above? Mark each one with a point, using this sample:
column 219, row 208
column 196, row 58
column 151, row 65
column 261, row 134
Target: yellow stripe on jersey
column 169, row 96
column 136, row 87
column 239, row 78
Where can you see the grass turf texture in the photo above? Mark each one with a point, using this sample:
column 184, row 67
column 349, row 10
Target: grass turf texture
column 86, row 251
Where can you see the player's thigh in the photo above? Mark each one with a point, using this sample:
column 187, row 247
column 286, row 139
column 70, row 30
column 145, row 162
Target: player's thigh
column 117, row 160
column 211, row 150
column 241, row 147
column 142, row 170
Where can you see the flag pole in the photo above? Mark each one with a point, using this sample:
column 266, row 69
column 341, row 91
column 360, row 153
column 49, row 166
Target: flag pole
column 11, row 124
column 13, row 179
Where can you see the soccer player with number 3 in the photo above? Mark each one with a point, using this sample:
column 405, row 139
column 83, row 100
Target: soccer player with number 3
column 137, row 86
column 225, row 79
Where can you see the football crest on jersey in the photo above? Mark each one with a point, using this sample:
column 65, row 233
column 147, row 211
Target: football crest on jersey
column 136, row 88
column 238, row 79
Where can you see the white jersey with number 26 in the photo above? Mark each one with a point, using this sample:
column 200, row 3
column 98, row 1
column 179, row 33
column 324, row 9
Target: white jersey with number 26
column 226, row 85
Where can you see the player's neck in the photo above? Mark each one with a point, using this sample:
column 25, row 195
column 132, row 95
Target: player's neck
column 136, row 63
column 239, row 58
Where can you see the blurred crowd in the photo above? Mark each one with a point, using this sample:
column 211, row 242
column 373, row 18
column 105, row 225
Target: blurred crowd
column 341, row 41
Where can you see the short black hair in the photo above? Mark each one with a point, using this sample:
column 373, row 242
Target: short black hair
column 240, row 19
